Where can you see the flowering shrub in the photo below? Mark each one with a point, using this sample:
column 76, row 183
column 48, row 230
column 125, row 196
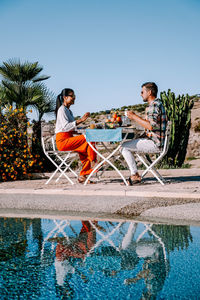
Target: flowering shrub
column 16, row 159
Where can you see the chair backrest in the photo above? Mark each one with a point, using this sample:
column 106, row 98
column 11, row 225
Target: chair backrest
column 167, row 137
column 48, row 137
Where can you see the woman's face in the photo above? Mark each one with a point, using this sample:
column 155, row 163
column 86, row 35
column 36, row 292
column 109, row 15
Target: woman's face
column 70, row 99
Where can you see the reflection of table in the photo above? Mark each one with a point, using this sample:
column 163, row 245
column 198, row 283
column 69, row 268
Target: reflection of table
column 116, row 136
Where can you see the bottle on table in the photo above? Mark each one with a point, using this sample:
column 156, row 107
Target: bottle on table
column 126, row 120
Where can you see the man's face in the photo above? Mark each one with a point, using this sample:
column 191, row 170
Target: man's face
column 145, row 94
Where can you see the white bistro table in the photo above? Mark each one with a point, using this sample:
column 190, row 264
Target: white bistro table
column 116, row 136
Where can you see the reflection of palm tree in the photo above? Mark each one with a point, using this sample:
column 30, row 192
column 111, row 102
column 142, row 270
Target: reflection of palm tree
column 13, row 236
column 174, row 237
column 37, row 232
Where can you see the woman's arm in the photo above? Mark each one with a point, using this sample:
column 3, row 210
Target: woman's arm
column 83, row 119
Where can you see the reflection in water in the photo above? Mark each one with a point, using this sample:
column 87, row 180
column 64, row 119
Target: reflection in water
column 67, row 250
column 174, row 237
column 155, row 264
column 13, row 239
column 68, row 259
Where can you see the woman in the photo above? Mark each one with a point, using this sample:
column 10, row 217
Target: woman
column 65, row 126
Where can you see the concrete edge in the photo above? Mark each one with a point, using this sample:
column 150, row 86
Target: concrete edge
column 95, row 192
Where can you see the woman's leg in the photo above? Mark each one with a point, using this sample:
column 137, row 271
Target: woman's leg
column 80, row 145
column 86, row 164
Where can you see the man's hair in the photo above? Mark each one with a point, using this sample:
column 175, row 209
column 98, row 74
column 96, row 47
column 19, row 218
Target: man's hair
column 152, row 87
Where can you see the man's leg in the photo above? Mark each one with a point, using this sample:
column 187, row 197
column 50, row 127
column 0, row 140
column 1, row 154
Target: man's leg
column 137, row 145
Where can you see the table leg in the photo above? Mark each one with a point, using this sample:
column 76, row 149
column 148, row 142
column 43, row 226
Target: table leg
column 107, row 160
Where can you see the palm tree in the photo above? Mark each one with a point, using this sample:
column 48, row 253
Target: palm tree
column 46, row 101
column 2, row 99
column 19, row 82
column 45, row 104
column 22, row 87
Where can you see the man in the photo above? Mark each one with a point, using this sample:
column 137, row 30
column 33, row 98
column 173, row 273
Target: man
column 154, row 125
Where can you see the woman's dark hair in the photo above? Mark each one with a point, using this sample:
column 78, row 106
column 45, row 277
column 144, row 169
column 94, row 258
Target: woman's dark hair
column 59, row 99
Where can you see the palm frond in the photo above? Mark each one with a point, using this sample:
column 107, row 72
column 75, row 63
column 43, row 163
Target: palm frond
column 41, row 78
column 14, row 70
column 21, row 83
column 46, row 104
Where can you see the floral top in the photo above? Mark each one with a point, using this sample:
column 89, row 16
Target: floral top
column 155, row 114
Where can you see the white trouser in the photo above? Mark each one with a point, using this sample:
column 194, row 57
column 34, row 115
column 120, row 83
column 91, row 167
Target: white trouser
column 137, row 145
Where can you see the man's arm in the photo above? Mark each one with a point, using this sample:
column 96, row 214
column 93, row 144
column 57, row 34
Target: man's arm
column 142, row 122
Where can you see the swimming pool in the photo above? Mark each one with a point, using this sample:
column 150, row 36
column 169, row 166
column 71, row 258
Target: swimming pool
column 89, row 259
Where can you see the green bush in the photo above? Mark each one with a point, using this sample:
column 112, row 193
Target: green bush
column 16, row 159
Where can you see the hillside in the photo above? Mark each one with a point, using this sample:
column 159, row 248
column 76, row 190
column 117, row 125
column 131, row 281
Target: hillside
column 194, row 139
column 193, row 150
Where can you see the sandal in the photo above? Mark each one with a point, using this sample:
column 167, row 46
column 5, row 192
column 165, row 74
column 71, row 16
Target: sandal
column 136, row 180
column 82, row 179
column 91, row 182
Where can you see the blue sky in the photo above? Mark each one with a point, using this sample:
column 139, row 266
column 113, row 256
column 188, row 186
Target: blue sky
column 105, row 49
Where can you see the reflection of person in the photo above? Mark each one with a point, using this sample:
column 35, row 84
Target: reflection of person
column 154, row 125
column 128, row 252
column 65, row 126
column 154, row 269
column 78, row 248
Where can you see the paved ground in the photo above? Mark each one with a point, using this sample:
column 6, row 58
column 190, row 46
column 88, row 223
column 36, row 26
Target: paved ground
column 178, row 201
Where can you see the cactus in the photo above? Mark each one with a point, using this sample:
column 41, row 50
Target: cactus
column 178, row 110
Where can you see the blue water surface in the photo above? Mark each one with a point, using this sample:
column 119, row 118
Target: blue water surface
column 89, row 259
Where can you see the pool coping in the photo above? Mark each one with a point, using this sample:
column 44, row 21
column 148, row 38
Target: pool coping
column 149, row 200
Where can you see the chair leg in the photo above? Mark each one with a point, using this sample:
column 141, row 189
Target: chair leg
column 65, row 170
column 150, row 163
column 150, row 168
column 63, row 162
column 58, row 168
column 51, row 176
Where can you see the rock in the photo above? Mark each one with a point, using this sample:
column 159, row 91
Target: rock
column 193, row 149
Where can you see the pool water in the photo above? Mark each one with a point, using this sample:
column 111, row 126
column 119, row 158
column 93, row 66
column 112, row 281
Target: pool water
column 84, row 259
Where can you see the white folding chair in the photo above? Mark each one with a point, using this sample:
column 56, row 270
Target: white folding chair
column 62, row 160
column 147, row 161
column 104, row 238
column 149, row 229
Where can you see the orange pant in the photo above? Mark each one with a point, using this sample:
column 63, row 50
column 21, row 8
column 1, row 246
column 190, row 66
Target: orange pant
column 65, row 141
column 80, row 247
